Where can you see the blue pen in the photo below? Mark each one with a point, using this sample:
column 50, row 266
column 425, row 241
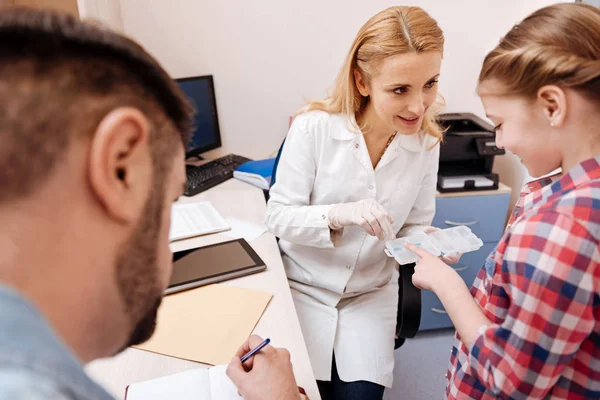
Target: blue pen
column 255, row 350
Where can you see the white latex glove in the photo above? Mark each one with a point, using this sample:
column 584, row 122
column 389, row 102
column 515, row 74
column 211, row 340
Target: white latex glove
column 368, row 214
column 448, row 259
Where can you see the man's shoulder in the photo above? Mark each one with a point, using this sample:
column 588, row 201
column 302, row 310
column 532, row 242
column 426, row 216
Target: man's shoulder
column 34, row 361
column 19, row 381
column 16, row 384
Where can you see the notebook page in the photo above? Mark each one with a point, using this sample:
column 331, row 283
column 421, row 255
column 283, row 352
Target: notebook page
column 221, row 386
column 189, row 385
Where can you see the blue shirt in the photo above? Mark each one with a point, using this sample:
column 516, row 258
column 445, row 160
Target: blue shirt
column 34, row 361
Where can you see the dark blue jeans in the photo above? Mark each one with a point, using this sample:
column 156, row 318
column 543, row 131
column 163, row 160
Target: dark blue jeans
column 336, row 389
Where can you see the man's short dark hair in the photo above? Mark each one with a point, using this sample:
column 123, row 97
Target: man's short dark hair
column 59, row 77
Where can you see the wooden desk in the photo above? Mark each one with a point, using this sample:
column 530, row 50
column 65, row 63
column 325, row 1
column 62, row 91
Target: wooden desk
column 279, row 322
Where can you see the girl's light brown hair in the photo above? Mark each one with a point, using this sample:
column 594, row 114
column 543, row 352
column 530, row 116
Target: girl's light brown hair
column 393, row 31
column 556, row 45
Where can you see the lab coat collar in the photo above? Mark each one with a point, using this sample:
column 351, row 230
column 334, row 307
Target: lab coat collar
column 344, row 128
column 412, row 142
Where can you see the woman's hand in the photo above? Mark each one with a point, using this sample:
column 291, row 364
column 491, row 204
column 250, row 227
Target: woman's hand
column 368, row 214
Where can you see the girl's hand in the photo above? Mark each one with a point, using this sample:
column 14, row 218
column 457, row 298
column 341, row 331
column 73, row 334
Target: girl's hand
column 448, row 259
column 430, row 271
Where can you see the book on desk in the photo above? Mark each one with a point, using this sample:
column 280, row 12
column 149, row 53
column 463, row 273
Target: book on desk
column 257, row 173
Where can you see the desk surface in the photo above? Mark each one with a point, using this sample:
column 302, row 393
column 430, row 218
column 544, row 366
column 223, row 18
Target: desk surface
column 279, row 322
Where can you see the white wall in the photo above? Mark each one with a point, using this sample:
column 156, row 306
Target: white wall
column 268, row 56
column 106, row 11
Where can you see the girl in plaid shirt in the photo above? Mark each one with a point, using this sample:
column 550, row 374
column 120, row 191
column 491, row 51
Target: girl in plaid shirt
column 533, row 330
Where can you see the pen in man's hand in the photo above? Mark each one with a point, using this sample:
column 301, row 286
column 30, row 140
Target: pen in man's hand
column 255, row 350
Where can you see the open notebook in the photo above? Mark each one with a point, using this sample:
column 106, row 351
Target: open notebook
column 197, row 384
column 195, row 219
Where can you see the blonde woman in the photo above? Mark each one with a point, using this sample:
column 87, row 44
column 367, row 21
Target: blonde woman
column 534, row 329
column 356, row 169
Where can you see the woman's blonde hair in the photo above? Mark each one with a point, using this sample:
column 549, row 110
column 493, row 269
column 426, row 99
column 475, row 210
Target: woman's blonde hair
column 393, row 31
column 556, row 45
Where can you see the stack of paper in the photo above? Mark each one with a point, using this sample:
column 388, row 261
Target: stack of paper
column 459, row 182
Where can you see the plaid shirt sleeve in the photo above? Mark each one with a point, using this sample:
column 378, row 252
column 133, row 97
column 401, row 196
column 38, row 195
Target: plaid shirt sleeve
column 547, row 267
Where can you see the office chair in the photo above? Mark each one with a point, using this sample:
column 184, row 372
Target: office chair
column 408, row 318
column 409, row 297
column 274, row 174
column 266, row 192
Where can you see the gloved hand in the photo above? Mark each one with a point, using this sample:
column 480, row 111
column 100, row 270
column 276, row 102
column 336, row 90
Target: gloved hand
column 368, row 214
column 448, row 259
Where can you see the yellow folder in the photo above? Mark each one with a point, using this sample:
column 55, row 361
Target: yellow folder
column 207, row 324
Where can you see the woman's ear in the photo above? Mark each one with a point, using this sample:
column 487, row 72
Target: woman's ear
column 361, row 84
column 553, row 101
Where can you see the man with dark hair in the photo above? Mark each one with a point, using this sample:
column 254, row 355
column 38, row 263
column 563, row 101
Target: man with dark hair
column 92, row 134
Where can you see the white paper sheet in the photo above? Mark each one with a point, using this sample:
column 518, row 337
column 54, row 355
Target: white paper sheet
column 198, row 384
column 244, row 229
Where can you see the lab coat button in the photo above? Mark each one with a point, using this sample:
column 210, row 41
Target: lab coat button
column 371, row 187
column 348, row 267
column 356, row 145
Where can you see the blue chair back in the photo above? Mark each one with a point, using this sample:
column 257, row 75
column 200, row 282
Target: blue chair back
column 274, row 174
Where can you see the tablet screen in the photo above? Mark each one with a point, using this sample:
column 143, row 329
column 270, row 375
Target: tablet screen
column 212, row 261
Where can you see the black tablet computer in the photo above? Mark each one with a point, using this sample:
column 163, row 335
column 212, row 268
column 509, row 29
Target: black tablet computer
column 214, row 263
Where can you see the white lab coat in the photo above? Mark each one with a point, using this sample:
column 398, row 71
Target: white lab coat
column 344, row 286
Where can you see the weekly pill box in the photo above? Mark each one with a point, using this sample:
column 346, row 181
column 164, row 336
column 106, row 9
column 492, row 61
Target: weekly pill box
column 451, row 241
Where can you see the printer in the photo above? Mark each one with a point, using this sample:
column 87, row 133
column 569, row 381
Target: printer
column 467, row 154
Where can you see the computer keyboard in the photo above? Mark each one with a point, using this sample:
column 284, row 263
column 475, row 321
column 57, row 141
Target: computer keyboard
column 203, row 177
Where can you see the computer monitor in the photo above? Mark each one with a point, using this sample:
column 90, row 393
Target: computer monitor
column 201, row 91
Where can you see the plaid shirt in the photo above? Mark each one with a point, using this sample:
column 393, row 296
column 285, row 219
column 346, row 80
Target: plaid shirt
column 540, row 289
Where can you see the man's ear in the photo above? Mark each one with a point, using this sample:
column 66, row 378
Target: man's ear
column 120, row 163
column 553, row 100
column 361, row 84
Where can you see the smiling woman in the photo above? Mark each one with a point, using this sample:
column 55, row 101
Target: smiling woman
column 392, row 54
column 400, row 93
column 359, row 168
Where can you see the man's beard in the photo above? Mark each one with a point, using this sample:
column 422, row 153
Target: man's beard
column 138, row 271
column 145, row 327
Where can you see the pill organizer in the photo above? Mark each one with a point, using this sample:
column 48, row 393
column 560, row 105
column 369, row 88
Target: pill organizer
column 451, row 241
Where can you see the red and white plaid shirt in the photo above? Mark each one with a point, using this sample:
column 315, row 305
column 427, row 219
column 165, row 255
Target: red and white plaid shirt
column 540, row 289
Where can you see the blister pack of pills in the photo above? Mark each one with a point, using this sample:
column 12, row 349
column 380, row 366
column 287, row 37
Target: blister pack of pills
column 451, row 241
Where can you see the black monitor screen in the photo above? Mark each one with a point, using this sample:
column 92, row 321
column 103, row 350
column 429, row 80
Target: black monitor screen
column 200, row 90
